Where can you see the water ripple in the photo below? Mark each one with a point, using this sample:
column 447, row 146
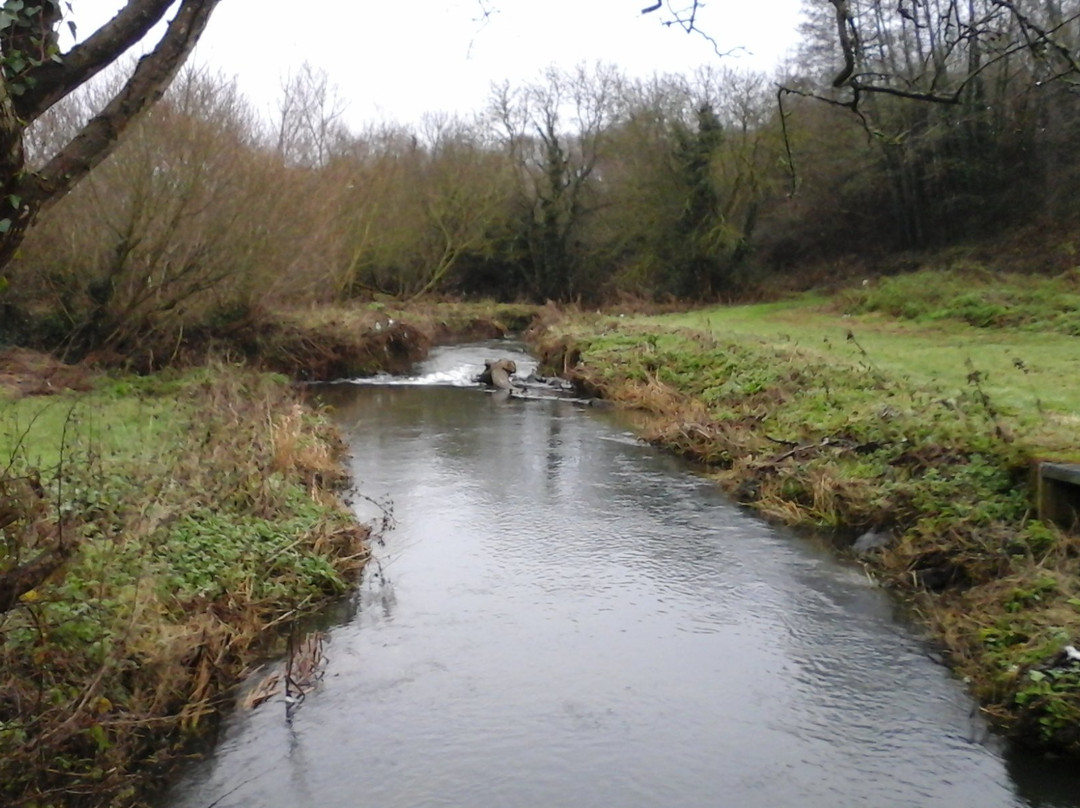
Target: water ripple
column 564, row 617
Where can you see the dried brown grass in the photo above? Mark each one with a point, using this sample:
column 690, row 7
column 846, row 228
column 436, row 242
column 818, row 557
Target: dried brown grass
column 95, row 702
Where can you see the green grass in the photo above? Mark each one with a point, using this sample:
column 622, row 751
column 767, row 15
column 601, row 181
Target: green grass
column 202, row 510
column 1032, row 378
column 116, row 418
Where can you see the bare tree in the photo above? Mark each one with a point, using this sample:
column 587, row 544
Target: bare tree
column 554, row 131
column 942, row 50
column 309, row 126
column 35, row 75
column 934, row 50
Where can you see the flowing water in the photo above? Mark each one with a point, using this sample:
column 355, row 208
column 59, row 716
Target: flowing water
column 564, row 617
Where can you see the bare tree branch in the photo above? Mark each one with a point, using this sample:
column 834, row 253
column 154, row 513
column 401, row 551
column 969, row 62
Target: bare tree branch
column 53, row 80
column 938, row 83
column 685, row 17
column 33, row 76
column 146, row 85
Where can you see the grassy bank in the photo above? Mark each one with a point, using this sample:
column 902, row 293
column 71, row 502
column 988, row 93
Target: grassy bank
column 188, row 513
column 837, row 415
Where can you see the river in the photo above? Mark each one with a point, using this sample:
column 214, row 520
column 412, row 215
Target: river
column 564, row 617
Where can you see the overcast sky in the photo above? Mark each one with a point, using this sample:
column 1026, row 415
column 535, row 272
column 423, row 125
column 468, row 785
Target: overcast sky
column 397, row 60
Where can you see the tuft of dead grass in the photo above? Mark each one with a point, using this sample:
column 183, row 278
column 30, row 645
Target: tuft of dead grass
column 190, row 549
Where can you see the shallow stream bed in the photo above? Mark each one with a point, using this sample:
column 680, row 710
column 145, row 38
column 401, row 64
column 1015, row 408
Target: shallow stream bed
column 564, row 617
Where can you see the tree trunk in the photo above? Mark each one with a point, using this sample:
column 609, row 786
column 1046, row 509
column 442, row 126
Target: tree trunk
column 15, row 212
column 24, row 193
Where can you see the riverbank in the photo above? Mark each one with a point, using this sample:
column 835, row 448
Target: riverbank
column 181, row 519
column 132, row 647
column 592, row 619
column 305, row 343
column 830, row 414
column 162, row 531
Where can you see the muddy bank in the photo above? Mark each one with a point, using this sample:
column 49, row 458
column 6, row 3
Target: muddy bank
column 332, row 343
column 305, row 344
column 931, row 495
column 25, row 372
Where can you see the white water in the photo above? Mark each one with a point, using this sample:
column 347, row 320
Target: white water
column 453, row 366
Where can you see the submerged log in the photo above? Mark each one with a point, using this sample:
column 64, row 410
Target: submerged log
column 497, row 373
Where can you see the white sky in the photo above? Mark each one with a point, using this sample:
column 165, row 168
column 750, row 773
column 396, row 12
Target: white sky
column 397, row 60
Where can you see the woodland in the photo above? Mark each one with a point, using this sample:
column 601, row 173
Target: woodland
column 896, row 131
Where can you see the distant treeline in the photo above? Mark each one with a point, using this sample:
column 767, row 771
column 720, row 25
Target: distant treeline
column 584, row 185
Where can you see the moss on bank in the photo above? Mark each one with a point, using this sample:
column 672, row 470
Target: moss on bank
column 846, row 447
column 198, row 510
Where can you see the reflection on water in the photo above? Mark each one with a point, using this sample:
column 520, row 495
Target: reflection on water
column 564, row 617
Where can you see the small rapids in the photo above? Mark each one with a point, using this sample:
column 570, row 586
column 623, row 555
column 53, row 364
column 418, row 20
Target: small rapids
column 455, row 366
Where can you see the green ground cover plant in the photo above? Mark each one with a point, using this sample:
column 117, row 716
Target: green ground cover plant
column 193, row 512
column 1030, row 374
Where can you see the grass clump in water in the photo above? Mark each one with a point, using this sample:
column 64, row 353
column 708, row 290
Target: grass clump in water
column 189, row 514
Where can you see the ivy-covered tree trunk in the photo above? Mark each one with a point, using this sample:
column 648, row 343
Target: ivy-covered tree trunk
column 694, row 261
column 34, row 75
column 555, row 132
column 15, row 216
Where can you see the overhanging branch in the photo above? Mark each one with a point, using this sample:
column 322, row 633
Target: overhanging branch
column 52, row 81
column 147, row 84
column 685, row 17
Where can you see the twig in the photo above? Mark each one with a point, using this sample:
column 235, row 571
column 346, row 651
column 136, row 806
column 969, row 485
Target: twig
column 240, row 785
column 798, row 450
